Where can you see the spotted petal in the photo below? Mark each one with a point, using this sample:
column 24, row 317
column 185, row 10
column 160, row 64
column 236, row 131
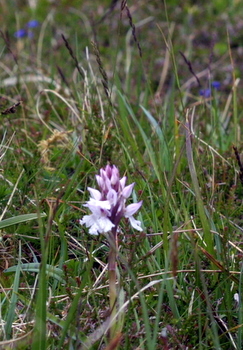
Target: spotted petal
column 96, row 226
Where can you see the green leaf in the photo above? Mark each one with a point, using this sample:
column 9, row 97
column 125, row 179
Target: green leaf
column 13, row 301
column 51, row 271
column 18, row 219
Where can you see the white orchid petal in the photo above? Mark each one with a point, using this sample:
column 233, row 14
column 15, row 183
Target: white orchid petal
column 131, row 209
column 98, row 211
column 87, row 220
column 105, row 225
column 99, row 180
column 102, row 225
column 94, row 230
column 96, row 225
column 126, row 192
column 112, row 197
column 115, row 176
column 135, row 223
column 123, row 182
column 100, row 204
column 94, row 193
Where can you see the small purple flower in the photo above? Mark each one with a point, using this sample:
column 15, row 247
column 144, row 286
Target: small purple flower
column 21, row 33
column 33, row 23
column 216, row 85
column 107, row 205
column 205, row 93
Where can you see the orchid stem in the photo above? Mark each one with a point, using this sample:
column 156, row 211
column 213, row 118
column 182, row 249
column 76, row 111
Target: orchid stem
column 112, row 280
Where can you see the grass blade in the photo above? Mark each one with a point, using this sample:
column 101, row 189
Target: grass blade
column 204, row 220
column 19, row 219
column 51, row 271
column 13, row 301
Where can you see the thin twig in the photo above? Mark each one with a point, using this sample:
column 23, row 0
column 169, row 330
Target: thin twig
column 189, row 65
column 70, row 50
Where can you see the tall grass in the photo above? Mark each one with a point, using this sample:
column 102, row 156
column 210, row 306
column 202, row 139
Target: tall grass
column 115, row 89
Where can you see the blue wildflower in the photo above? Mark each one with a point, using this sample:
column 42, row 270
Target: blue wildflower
column 21, row 33
column 33, row 23
column 205, row 93
column 216, row 85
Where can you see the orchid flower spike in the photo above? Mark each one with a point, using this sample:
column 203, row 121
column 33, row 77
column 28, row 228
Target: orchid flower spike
column 107, row 204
